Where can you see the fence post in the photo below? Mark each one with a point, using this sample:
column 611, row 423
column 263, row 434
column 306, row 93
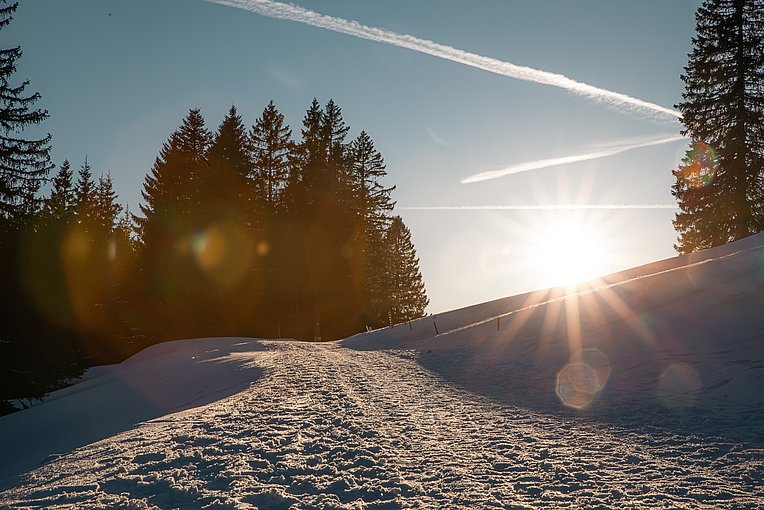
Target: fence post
column 498, row 323
column 436, row 327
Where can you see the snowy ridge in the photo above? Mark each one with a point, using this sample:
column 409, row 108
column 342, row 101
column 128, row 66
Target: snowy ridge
column 686, row 332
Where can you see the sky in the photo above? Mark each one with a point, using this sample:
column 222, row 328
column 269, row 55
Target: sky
column 444, row 89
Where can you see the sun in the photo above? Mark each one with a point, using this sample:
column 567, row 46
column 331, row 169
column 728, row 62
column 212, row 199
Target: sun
column 568, row 250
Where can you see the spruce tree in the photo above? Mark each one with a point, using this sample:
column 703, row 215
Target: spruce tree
column 367, row 169
column 224, row 184
column 171, row 231
column 720, row 183
column 24, row 163
column 270, row 140
column 372, row 205
column 85, row 196
column 60, row 205
column 405, row 296
column 171, row 191
column 107, row 209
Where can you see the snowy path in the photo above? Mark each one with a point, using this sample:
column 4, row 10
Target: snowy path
column 330, row 427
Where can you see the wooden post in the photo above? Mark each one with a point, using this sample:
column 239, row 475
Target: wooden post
column 410, row 326
column 436, row 327
column 498, row 323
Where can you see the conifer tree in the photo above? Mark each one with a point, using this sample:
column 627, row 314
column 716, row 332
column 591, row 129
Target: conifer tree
column 170, row 231
column 60, row 205
column 368, row 168
column 224, row 184
column 309, row 172
column 107, row 209
column 172, row 189
column 372, row 206
column 24, row 163
column 405, row 293
column 720, row 183
column 85, row 196
column 270, row 139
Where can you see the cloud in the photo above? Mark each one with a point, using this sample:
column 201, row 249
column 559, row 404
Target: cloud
column 434, row 136
column 298, row 14
column 609, row 150
column 535, row 207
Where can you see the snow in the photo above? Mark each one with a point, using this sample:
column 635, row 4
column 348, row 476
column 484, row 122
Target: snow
column 163, row 379
column 640, row 390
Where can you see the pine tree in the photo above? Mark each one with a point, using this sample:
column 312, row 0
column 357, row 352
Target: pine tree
column 107, row 209
column 172, row 189
column 85, row 196
column 171, row 232
column 405, row 293
column 309, row 173
column 372, row 206
column 720, row 183
column 60, row 205
column 24, row 163
column 224, row 184
column 368, row 168
column 270, row 139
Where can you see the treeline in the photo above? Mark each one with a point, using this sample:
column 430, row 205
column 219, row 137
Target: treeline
column 242, row 232
column 249, row 232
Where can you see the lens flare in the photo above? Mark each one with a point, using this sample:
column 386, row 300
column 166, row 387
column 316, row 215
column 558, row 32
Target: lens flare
column 678, row 386
column 580, row 381
column 699, row 165
column 224, row 252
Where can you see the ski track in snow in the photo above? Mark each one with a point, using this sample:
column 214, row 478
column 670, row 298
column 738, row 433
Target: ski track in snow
column 331, row 427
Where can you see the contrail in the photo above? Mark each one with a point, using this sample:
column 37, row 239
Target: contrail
column 538, row 207
column 294, row 13
column 546, row 163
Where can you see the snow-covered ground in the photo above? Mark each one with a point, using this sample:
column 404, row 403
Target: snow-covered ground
column 643, row 390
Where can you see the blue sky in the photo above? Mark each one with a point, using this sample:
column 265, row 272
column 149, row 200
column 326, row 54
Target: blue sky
column 117, row 78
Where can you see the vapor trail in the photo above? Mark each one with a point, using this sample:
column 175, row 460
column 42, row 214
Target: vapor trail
column 546, row 163
column 290, row 12
column 538, row 207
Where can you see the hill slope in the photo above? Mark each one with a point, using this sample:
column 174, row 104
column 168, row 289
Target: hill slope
column 640, row 390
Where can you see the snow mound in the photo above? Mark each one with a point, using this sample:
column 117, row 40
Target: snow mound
column 162, row 379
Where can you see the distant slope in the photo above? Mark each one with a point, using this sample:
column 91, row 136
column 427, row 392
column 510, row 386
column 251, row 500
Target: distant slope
column 685, row 333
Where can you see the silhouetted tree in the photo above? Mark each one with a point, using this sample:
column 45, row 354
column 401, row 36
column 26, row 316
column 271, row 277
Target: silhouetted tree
column 60, row 205
column 172, row 189
column 405, row 293
column 720, row 183
column 224, row 185
column 107, row 209
column 270, row 140
column 233, row 272
column 170, row 234
column 85, row 200
column 373, row 206
column 24, row 163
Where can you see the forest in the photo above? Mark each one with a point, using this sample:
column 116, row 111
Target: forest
column 242, row 232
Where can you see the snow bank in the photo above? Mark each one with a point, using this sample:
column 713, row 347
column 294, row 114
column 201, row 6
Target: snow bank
column 162, row 379
column 685, row 334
